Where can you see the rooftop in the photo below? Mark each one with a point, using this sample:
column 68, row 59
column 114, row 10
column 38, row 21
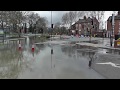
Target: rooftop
column 84, row 20
column 117, row 17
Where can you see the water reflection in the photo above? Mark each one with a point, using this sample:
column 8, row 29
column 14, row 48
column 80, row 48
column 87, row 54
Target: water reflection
column 82, row 51
column 14, row 61
column 69, row 50
column 10, row 63
column 110, row 51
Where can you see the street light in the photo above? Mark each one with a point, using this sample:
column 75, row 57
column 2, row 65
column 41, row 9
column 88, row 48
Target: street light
column 51, row 25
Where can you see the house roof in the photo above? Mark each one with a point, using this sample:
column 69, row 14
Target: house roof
column 116, row 18
column 84, row 20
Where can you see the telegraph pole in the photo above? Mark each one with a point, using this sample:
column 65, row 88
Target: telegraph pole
column 92, row 24
column 112, row 30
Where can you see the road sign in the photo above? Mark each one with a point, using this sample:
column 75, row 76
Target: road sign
column 118, row 43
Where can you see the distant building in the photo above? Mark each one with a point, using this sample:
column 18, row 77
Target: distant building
column 116, row 25
column 83, row 26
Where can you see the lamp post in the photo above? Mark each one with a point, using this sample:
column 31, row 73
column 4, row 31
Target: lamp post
column 51, row 26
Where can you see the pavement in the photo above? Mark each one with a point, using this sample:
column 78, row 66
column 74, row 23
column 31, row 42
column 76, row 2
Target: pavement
column 103, row 43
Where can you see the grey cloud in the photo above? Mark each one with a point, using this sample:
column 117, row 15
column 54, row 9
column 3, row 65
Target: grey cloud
column 56, row 15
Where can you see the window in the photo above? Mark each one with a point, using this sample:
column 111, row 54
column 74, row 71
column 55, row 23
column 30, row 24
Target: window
column 119, row 23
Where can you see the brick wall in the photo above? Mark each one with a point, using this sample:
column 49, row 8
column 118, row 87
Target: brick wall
column 116, row 27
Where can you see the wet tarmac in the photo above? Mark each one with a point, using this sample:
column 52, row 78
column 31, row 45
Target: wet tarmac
column 68, row 61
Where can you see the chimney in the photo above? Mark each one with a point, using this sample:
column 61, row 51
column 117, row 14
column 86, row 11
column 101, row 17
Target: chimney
column 118, row 12
column 84, row 17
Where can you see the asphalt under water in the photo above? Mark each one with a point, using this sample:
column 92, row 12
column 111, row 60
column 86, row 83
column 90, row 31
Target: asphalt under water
column 67, row 62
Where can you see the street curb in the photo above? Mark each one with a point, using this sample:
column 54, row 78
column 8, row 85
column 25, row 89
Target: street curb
column 100, row 46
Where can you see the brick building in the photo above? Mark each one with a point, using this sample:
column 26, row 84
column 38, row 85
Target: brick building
column 83, row 26
column 116, row 25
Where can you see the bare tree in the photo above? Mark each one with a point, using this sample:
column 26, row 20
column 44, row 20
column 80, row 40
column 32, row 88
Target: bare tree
column 41, row 23
column 57, row 28
column 71, row 17
column 57, row 24
column 65, row 18
column 32, row 17
column 99, row 16
column 115, row 12
column 81, row 14
column 75, row 13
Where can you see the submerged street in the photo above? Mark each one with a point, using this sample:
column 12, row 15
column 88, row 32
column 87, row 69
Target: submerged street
column 68, row 61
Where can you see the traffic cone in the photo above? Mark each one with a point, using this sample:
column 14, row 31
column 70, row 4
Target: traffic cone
column 20, row 46
column 33, row 48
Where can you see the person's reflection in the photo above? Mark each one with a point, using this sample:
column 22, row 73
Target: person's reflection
column 83, row 54
column 33, row 54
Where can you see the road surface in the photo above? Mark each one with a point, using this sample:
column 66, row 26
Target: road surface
column 25, row 64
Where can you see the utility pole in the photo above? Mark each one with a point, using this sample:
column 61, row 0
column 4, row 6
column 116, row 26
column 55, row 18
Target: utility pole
column 91, row 30
column 112, row 30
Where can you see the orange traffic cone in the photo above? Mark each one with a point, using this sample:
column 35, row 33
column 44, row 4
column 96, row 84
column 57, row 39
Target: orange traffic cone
column 20, row 46
column 33, row 48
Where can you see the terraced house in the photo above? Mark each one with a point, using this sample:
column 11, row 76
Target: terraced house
column 116, row 30
column 83, row 26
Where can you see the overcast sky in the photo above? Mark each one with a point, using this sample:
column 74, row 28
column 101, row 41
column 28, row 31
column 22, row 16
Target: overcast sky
column 58, row 14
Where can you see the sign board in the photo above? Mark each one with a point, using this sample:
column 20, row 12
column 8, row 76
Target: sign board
column 118, row 43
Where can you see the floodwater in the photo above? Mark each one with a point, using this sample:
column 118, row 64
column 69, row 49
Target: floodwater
column 105, row 61
column 68, row 61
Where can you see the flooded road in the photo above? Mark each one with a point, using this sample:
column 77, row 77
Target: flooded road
column 67, row 61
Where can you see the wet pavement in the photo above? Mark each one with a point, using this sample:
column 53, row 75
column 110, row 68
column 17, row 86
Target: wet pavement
column 67, row 61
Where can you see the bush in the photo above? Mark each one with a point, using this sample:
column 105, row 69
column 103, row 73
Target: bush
column 118, row 39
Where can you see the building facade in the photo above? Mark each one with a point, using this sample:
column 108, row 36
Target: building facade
column 83, row 26
column 116, row 30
